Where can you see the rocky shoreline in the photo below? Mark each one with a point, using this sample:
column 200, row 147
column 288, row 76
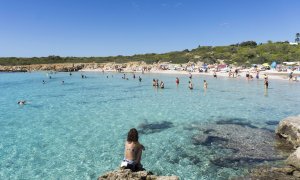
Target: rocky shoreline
column 44, row 67
column 121, row 174
column 288, row 131
column 66, row 67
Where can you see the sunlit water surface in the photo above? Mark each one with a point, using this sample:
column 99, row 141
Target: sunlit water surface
column 77, row 130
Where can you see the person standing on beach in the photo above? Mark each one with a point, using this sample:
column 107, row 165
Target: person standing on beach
column 248, row 75
column 257, row 74
column 236, row 72
column 229, row 74
column 133, row 152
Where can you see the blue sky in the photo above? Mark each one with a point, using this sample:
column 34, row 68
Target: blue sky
column 126, row 27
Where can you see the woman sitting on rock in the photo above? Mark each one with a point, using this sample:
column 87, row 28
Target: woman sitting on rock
column 133, row 152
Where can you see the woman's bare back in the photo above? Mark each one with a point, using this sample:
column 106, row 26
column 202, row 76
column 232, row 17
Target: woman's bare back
column 133, row 151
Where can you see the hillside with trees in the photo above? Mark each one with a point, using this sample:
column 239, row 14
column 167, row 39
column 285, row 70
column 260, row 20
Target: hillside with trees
column 244, row 53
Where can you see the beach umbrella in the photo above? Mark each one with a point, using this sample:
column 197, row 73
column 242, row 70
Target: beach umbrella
column 265, row 64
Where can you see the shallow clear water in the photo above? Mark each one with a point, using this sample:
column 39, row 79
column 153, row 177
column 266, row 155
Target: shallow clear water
column 77, row 130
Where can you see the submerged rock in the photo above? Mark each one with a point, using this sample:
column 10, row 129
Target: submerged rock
column 127, row 174
column 272, row 123
column 266, row 173
column 288, row 132
column 245, row 144
column 149, row 128
column 236, row 121
column 289, row 129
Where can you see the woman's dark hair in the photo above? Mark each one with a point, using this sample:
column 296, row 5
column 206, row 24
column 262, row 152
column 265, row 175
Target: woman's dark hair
column 133, row 135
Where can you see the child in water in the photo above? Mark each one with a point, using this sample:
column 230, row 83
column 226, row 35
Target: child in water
column 205, row 84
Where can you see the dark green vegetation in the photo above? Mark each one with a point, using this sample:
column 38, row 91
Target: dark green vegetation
column 245, row 53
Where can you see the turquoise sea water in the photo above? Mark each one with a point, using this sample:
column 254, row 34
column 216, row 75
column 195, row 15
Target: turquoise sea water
column 77, row 130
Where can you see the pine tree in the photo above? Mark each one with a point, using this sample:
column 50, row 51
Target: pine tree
column 297, row 40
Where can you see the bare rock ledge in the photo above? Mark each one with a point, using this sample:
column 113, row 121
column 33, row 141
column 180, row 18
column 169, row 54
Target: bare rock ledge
column 123, row 174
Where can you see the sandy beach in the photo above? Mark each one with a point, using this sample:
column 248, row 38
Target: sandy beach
column 242, row 73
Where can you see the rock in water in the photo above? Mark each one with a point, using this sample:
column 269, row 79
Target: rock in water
column 245, row 145
column 268, row 173
column 294, row 159
column 127, row 174
column 289, row 129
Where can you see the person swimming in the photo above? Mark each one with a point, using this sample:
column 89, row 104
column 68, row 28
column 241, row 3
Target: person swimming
column 22, row 102
column 140, row 79
column 44, row 82
column 215, row 74
column 62, row 82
